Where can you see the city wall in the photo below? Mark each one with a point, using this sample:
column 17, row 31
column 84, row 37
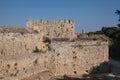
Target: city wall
column 64, row 58
column 53, row 29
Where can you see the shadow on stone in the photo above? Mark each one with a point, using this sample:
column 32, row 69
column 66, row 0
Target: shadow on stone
column 101, row 72
column 102, row 68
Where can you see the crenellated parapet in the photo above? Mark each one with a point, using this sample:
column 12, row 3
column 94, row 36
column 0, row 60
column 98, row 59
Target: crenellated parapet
column 53, row 29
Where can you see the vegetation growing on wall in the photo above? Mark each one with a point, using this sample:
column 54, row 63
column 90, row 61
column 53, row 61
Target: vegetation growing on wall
column 36, row 50
column 46, row 40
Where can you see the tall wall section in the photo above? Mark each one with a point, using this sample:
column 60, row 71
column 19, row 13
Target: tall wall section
column 53, row 29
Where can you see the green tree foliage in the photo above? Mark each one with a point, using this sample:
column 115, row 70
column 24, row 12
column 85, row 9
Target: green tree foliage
column 118, row 13
column 118, row 25
column 110, row 31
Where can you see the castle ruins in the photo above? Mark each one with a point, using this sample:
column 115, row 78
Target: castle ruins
column 20, row 61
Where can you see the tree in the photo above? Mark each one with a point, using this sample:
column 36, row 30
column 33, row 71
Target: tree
column 118, row 25
column 118, row 13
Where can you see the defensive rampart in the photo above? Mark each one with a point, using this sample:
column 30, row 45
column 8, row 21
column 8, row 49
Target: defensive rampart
column 64, row 58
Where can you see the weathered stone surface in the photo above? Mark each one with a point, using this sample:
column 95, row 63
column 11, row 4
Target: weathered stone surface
column 53, row 29
column 8, row 29
column 65, row 58
column 17, row 43
column 65, row 55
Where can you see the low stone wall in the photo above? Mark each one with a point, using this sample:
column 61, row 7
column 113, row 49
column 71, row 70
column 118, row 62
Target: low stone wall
column 17, row 43
column 64, row 58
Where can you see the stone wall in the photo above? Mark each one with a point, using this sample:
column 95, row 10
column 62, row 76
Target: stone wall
column 53, row 29
column 78, row 58
column 17, row 43
column 64, row 58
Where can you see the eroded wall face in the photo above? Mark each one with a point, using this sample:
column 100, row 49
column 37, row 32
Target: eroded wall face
column 80, row 57
column 64, row 58
column 17, row 43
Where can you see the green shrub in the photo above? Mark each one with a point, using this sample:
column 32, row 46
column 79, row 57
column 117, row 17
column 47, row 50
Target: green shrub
column 46, row 40
column 36, row 50
column 94, row 38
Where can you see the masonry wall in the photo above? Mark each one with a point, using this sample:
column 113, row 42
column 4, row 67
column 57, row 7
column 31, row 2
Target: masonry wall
column 17, row 43
column 53, row 29
column 78, row 58
column 64, row 58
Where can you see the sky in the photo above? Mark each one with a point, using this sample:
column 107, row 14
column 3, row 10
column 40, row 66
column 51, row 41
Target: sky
column 90, row 15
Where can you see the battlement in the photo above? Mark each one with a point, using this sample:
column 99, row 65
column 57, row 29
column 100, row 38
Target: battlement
column 53, row 29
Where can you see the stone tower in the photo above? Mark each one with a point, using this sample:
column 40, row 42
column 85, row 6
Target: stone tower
column 53, row 29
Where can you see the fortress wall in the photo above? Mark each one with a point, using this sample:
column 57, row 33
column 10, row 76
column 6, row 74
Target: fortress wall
column 17, row 43
column 78, row 58
column 64, row 58
column 53, row 29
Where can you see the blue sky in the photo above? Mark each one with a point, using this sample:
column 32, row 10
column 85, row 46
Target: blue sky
column 91, row 15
